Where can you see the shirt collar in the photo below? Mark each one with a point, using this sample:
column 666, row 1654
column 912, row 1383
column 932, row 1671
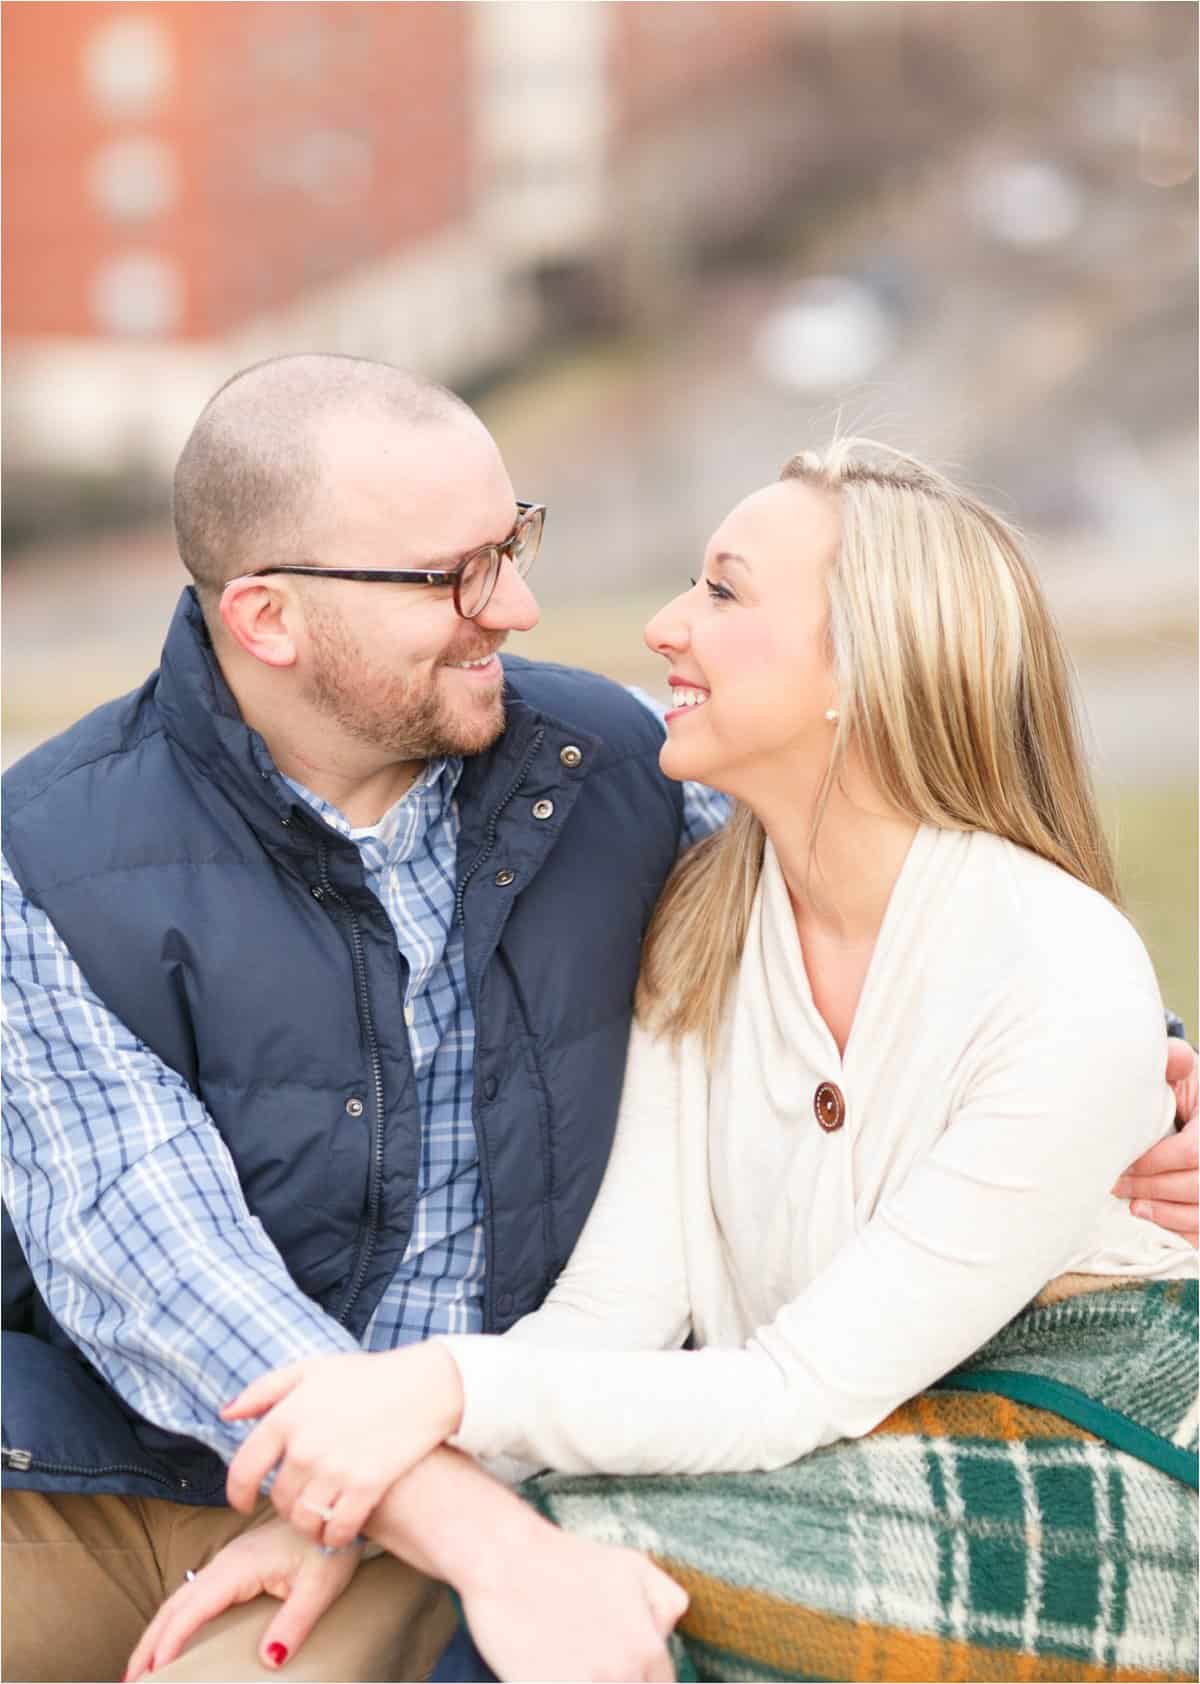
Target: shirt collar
column 407, row 822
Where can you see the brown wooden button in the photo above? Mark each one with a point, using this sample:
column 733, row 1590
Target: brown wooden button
column 829, row 1106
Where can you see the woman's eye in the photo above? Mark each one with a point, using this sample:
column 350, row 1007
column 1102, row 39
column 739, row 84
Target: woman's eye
column 719, row 593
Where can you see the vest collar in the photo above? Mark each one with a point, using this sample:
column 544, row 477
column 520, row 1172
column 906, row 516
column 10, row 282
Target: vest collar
column 202, row 719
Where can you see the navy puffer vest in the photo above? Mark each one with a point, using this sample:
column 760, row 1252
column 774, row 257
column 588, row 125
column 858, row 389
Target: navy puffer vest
column 233, row 932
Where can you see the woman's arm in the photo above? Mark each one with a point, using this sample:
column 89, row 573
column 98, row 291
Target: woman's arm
column 338, row 1433
column 995, row 1211
column 625, row 1285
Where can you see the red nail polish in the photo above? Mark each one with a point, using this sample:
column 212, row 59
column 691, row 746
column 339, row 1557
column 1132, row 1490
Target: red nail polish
column 277, row 1653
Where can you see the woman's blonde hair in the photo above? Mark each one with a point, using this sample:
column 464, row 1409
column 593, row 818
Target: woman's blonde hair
column 952, row 683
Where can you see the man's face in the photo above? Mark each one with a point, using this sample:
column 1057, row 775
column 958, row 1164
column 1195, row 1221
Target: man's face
column 386, row 662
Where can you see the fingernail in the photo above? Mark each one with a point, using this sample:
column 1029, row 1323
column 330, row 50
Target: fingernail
column 1141, row 1207
column 1122, row 1188
column 277, row 1653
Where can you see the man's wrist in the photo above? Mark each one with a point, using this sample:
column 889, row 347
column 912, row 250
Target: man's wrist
column 511, row 1540
column 454, row 1522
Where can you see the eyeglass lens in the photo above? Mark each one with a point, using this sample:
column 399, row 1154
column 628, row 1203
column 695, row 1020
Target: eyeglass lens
column 477, row 580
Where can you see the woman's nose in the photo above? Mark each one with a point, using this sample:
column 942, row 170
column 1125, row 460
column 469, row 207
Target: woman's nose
column 667, row 631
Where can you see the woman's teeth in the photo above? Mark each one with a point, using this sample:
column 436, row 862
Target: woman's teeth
column 682, row 698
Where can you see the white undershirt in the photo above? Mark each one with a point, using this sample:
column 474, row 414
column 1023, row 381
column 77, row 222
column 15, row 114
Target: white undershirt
column 1005, row 1064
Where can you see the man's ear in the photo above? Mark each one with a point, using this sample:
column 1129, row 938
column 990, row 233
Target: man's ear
column 261, row 618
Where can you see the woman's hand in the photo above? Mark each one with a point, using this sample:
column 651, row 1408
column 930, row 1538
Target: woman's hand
column 1162, row 1183
column 339, row 1430
column 273, row 1560
column 571, row 1608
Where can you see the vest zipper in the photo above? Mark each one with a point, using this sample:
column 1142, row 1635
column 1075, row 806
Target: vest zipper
column 490, row 834
column 485, row 1169
column 24, row 1461
column 367, row 1023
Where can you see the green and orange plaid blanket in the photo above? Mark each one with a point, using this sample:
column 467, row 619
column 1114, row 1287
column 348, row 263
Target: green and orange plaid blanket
column 1033, row 1517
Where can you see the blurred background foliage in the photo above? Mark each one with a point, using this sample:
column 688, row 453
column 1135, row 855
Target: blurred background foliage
column 661, row 247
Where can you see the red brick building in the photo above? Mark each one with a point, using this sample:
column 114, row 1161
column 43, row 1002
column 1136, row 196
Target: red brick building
column 189, row 166
column 189, row 186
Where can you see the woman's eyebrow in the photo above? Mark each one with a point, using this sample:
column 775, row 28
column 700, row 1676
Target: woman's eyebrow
column 731, row 555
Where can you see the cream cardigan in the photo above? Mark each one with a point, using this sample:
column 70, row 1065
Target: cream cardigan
column 1004, row 1065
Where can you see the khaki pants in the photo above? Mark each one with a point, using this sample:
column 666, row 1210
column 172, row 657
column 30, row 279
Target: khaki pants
column 83, row 1577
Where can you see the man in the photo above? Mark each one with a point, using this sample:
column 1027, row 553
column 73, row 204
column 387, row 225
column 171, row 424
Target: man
column 320, row 950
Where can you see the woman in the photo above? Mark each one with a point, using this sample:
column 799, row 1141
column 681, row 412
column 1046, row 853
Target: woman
column 857, row 1135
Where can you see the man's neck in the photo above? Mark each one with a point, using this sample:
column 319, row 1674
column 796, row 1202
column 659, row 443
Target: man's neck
column 362, row 800
column 307, row 748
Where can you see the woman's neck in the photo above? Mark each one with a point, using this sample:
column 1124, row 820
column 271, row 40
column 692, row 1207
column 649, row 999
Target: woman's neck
column 840, row 873
column 841, row 866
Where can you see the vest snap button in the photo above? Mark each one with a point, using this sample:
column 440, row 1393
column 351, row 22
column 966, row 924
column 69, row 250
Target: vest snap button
column 354, row 1107
column 543, row 809
column 490, row 1087
column 503, row 878
column 571, row 756
column 504, row 1303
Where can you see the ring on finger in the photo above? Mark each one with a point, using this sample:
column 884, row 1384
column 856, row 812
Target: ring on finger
column 325, row 1510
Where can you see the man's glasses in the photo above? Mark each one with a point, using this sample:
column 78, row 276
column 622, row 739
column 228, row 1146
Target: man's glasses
column 473, row 576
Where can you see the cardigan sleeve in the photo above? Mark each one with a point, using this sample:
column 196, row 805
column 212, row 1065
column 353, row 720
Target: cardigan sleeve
column 625, row 1284
column 993, row 1212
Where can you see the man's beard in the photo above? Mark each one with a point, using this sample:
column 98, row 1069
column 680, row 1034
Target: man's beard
column 406, row 717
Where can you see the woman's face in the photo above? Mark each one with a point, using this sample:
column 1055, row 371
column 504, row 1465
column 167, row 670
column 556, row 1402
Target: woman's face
column 750, row 673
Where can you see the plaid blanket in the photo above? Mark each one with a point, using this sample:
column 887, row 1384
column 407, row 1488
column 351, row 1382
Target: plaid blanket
column 1033, row 1517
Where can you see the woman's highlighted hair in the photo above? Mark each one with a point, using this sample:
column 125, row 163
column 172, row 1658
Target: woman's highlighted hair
column 954, row 687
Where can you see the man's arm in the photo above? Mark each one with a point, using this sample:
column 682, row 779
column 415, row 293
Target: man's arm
column 540, row 1603
column 128, row 1206
column 1162, row 1183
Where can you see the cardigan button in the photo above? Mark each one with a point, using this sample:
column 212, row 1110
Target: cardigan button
column 829, row 1106
column 571, row 756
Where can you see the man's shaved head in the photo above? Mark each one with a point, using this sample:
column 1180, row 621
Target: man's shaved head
column 250, row 476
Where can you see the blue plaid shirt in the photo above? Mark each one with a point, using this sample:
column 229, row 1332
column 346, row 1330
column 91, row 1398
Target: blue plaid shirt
column 110, row 1157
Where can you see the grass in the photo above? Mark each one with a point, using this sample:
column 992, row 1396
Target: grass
column 1154, row 832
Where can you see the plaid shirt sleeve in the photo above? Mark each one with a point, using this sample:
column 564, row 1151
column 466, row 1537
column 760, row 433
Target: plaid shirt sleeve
column 704, row 809
column 128, row 1206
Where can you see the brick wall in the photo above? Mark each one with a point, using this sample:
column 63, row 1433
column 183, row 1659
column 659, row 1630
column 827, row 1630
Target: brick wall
column 186, row 166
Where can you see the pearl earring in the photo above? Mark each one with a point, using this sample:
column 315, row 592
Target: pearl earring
column 831, row 715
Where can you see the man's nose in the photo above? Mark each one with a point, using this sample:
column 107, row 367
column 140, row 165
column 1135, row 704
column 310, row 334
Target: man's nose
column 512, row 606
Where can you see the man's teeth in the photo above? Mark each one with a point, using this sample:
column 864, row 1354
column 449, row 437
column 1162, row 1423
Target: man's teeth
column 682, row 698
column 481, row 662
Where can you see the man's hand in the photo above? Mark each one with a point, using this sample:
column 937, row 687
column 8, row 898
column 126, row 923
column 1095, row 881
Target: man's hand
column 273, row 1560
column 1162, row 1183
column 571, row 1608
column 339, row 1430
